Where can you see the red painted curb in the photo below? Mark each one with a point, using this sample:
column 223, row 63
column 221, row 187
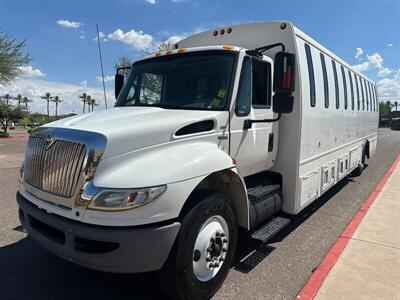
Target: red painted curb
column 321, row 272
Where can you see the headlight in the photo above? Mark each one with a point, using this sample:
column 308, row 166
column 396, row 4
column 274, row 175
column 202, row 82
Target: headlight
column 125, row 199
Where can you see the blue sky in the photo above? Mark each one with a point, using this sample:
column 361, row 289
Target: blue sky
column 60, row 35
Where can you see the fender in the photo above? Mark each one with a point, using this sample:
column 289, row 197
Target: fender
column 162, row 164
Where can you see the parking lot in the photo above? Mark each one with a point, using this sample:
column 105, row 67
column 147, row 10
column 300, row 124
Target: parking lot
column 277, row 270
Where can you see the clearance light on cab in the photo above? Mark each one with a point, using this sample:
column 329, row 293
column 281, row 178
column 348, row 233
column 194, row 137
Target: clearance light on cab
column 112, row 200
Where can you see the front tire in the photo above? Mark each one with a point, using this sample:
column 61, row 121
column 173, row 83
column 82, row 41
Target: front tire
column 203, row 252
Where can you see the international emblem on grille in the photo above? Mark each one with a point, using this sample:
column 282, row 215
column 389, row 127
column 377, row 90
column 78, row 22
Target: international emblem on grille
column 49, row 141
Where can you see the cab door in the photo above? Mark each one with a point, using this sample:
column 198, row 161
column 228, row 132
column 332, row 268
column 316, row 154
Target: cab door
column 254, row 149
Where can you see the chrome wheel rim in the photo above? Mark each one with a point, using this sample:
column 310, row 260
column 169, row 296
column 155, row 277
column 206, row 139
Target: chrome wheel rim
column 210, row 248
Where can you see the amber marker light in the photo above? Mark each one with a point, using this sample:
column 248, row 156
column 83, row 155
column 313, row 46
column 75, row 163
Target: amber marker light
column 229, row 30
column 168, row 52
column 157, row 54
column 283, row 26
column 215, row 33
column 181, row 50
column 222, row 31
column 228, row 47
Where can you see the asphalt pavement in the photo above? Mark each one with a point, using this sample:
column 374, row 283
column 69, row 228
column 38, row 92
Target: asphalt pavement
column 277, row 270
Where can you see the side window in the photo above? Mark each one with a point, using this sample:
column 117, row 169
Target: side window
column 371, row 101
column 351, row 90
column 325, row 77
column 336, row 83
column 358, row 92
column 261, row 84
column 243, row 99
column 151, row 88
column 366, row 95
column 310, row 74
column 362, row 93
column 344, row 86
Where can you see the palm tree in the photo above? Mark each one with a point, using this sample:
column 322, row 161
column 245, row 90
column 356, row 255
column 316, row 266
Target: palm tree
column 19, row 99
column 25, row 101
column 395, row 104
column 88, row 102
column 7, row 98
column 83, row 98
column 47, row 97
column 93, row 103
column 56, row 100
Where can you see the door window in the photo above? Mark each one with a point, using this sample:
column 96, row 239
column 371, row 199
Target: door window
column 261, row 84
column 243, row 99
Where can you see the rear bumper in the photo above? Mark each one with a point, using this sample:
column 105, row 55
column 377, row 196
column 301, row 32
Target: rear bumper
column 111, row 249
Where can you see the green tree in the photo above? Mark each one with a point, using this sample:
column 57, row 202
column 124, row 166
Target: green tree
column 384, row 109
column 12, row 58
column 9, row 112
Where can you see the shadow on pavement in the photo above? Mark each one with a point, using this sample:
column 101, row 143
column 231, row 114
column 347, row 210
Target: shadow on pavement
column 28, row 271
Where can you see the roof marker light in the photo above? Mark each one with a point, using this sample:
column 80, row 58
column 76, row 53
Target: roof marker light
column 181, row 50
column 283, row 26
column 228, row 47
column 229, row 30
column 222, row 31
column 215, row 33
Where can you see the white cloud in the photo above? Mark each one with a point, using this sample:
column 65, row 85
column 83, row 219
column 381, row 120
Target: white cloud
column 359, row 52
column 68, row 93
column 151, row 1
column 106, row 78
column 29, row 72
column 101, row 36
column 384, row 72
column 389, row 45
column 69, row 24
column 137, row 39
column 374, row 61
column 389, row 88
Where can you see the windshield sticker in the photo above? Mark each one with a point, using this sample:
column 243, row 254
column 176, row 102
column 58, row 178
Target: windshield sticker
column 221, row 93
column 215, row 102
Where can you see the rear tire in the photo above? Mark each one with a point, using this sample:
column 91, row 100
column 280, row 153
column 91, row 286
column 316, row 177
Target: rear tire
column 358, row 171
column 203, row 251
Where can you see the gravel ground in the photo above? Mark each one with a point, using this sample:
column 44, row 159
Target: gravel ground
column 274, row 271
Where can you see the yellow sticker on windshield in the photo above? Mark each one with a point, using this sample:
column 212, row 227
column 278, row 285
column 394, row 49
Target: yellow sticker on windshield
column 221, row 93
column 215, row 102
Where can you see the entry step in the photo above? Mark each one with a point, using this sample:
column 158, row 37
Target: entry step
column 267, row 231
column 260, row 192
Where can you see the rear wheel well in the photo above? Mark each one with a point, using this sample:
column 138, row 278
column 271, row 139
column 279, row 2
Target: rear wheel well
column 225, row 182
column 366, row 149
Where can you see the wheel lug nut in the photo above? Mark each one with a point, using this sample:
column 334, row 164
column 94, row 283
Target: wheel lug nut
column 196, row 255
column 225, row 240
column 212, row 240
column 223, row 234
column 209, row 249
column 208, row 259
column 221, row 259
column 224, row 250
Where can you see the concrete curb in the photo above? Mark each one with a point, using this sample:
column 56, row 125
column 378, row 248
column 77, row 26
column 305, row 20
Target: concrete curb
column 314, row 283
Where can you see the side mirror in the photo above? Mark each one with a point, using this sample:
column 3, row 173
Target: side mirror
column 119, row 83
column 284, row 82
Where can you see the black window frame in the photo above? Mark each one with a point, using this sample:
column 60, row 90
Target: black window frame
column 325, row 78
column 311, row 75
column 351, row 89
column 335, row 78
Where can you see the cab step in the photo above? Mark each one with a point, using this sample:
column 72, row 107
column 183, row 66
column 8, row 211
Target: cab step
column 267, row 231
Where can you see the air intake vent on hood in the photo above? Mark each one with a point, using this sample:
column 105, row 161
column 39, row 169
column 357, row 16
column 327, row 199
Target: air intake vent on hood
column 197, row 127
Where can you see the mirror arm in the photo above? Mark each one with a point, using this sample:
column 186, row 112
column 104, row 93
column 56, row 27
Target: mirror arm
column 249, row 123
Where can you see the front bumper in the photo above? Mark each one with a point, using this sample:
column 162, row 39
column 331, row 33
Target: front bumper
column 105, row 248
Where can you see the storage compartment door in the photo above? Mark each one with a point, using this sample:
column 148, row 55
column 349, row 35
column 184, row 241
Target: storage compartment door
column 309, row 187
column 355, row 157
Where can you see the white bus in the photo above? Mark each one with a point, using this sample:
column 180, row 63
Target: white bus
column 231, row 130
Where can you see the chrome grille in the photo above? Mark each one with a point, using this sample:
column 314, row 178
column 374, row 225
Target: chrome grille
column 56, row 168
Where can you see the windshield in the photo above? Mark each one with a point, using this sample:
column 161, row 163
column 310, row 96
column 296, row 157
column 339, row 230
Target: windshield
column 197, row 80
